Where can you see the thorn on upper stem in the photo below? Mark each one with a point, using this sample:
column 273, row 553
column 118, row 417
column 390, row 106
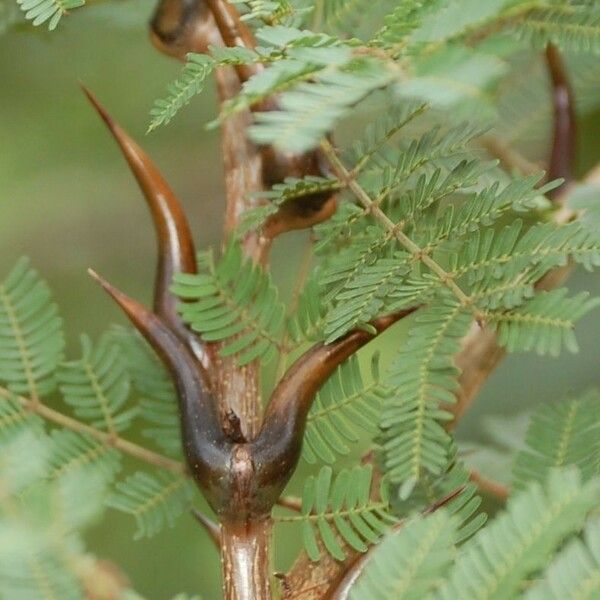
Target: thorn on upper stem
column 176, row 253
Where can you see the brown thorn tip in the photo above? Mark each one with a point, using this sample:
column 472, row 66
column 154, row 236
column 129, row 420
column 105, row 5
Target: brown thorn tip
column 96, row 277
column 112, row 291
column 99, row 108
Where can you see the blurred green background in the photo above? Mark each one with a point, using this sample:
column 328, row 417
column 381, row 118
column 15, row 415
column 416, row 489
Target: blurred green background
column 68, row 201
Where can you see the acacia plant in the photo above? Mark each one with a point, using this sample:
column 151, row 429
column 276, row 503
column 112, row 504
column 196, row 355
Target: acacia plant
column 436, row 223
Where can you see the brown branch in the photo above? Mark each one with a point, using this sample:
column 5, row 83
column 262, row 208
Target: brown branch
column 562, row 157
column 234, row 32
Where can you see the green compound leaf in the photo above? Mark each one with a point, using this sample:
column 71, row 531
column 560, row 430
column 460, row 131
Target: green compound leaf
column 341, row 512
column 236, row 303
column 31, row 338
column 155, row 501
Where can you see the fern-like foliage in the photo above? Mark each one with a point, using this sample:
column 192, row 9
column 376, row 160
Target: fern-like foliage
column 340, row 512
column 233, row 302
column 345, row 405
column 31, row 338
column 517, row 543
column 561, row 434
column 311, row 109
column 574, row 573
column 191, row 82
column 424, row 376
column 153, row 500
column 47, row 11
column 409, row 563
column 97, row 386
column 454, row 489
column 574, row 26
column 72, row 451
column 15, row 418
column 545, row 323
column 307, row 321
column 41, row 551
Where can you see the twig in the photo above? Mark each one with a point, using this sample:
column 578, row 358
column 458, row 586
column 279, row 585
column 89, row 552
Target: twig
column 109, row 439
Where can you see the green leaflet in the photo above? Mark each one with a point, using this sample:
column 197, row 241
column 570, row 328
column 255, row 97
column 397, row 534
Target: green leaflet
column 190, row 83
column 47, row 11
column 311, row 110
column 15, row 418
column 410, row 562
column 562, row 434
column 306, row 324
column 423, row 376
column 341, row 512
column 575, row 572
column 97, row 385
column 517, row 543
column 72, row 451
column 266, row 10
column 454, row 489
column 544, row 324
column 155, row 501
column 236, row 303
column 41, row 548
column 31, row 337
column 344, row 406
column 456, row 77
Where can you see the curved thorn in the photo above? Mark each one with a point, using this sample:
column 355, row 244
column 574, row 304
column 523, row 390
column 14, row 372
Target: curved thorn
column 205, row 448
column 277, row 447
column 562, row 157
column 176, row 252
